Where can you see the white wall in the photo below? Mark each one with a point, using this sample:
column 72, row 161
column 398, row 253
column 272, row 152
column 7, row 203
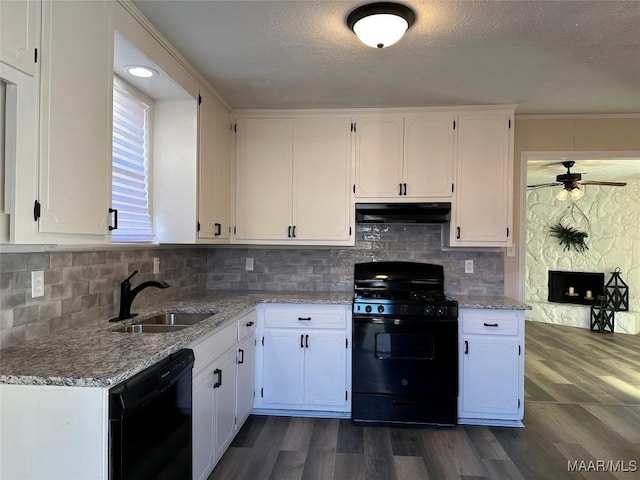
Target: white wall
column 614, row 241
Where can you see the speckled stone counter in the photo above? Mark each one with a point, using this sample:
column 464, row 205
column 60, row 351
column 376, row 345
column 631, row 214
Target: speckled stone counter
column 96, row 356
column 489, row 302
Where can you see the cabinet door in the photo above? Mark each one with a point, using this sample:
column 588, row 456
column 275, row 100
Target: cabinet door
column 263, row 178
column 225, row 377
column 322, row 179
column 19, row 33
column 491, row 377
column 214, row 201
column 283, row 367
column 76, row 112
column 483, row 188
column 325, row 368
column 379, row 143
column 203, row 420
column 428, row 155
column 246, row 379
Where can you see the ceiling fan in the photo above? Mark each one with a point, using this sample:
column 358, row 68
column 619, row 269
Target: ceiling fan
column 570, row 182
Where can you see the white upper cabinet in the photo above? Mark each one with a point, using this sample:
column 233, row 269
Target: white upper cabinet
column 321, row 179
column 484, row 186
column 20, row 34
column 76, row 112
column 379, row 145
column 428, row 155
column 264, row 171
column 293, row 180
column 214, row 181
column 405, row 157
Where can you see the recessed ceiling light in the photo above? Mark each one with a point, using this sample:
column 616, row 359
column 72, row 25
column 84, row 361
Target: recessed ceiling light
column 141, row 71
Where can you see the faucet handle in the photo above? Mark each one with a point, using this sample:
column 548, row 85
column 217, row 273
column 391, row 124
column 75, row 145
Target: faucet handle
column 130, row 276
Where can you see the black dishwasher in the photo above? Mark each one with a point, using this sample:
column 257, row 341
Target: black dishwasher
column 150, row 422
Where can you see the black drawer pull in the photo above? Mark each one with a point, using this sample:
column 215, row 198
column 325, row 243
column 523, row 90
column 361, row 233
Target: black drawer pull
column 250, row 324
column 217, row 372
column 490, row 324
column 304, row 319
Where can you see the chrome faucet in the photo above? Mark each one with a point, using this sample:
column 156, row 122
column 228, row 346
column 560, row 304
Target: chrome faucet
column 127, row 294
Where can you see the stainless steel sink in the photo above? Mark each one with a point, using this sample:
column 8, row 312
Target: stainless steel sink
column 175, row 318
column 139, row 328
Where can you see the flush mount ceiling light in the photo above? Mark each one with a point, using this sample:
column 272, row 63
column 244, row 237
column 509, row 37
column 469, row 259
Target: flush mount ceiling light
column 141, row 71
column 382, row 24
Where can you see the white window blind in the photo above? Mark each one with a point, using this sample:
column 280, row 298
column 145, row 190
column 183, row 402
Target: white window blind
column 130, row 167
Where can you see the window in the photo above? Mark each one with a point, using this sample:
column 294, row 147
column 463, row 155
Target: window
column 130, row 190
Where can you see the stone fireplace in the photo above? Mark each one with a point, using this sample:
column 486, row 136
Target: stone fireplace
column 580, row 288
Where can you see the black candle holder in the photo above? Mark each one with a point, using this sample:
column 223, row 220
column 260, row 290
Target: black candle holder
column 617, row 292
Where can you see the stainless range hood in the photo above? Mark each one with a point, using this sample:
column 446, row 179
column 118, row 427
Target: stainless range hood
column 439, row 212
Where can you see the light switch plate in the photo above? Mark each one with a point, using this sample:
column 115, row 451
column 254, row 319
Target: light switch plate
column 249, row 264
column 156, row 265
column 37, row 283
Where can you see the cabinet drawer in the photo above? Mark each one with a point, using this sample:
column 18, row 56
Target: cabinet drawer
column 305, row 316
column 211, row 347
column 491, row 322
column 247, row 324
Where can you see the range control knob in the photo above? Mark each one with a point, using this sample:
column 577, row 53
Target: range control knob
column 404, row 308
column 367, row 309
column 428, row 310
column 380, row 308
column 441, row 311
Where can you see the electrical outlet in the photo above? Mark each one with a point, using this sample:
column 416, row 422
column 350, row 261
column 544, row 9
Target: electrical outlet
column 511, row 251
column 249, row 264
column 468, row 266
column 37, row 284
column 156, row 265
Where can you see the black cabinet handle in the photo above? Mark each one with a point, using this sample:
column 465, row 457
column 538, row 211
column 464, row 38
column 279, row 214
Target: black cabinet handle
column 217, row 229
column 217, row 372
column 306, row 341
column 250, row 324
column 399, row 189
column 289, row 232
column 115, row 219
column 301, row 341
column 458, row 232
column 405, row 188
column 490, row 324
column 304, row 319
column 241, row 355
column 466, row 347
column 294, row 231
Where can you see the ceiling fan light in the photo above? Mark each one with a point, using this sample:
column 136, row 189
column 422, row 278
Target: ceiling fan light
column 576, row 194
column 562, row 195
column 379, row 25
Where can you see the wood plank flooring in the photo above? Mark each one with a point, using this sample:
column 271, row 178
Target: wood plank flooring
column 582, row 403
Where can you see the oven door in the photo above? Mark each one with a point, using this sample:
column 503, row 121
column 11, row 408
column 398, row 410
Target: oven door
column 405, row 370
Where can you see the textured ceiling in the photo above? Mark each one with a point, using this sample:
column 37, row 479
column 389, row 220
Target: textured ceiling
column 548, row 57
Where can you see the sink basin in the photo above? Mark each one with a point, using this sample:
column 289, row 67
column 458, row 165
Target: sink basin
column 139, row 328
column 175, row 318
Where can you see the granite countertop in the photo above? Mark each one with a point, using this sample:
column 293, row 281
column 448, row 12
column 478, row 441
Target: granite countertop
column 95, row 356
column 490, row 302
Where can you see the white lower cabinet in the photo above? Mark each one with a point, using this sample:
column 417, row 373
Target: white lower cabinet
column 491, row 367
column 223, row 378
column 304, row 358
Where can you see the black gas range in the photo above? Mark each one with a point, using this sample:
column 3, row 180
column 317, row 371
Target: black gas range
column 405, row 345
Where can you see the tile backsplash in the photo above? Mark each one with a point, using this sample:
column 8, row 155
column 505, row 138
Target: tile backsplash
column 331, row 269
column 83, row 287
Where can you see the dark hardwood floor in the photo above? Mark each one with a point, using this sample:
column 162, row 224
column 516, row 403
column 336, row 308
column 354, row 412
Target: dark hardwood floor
column 582, row 403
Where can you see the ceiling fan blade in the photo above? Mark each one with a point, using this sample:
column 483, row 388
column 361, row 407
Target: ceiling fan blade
column 595, row 182
column 542, row 185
